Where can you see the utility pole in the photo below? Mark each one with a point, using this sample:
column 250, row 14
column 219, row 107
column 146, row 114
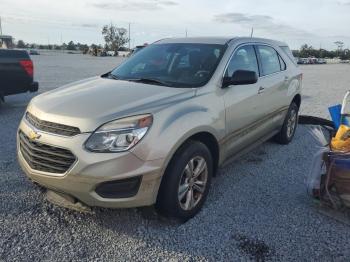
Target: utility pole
column 340, row 46
column 62, row 44
column 0, row 26
column 129, row 36
column 186, row 32
column 251, row 33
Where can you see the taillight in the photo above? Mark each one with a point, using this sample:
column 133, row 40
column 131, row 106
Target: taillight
column 27, row 65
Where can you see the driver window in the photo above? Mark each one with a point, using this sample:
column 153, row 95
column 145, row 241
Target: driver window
column 244, row 58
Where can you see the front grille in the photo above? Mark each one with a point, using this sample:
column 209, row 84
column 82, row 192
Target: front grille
column 51, row 127
column 43, row 157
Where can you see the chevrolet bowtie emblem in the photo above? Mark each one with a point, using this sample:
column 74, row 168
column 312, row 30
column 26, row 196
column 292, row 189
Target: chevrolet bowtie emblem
column 34, row 135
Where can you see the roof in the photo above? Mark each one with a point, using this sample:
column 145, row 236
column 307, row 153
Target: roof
column 5, row 37
column 218, row 40
column 196, row 40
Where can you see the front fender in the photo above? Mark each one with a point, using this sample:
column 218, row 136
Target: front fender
column 173, row 126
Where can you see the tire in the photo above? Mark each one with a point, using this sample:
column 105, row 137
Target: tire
column 174, row 203
column 286, row 134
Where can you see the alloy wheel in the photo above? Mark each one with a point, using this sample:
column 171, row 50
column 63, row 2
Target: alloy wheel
column 193, row 183
column 292, row 122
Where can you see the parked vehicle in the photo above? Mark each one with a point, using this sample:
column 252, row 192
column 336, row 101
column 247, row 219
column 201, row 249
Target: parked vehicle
column 303, row 61
column 16, row 73
column 136, row 49
column 111, row 53
column 33, row 52
column 312, row 60
column 156, row 129
column 321, row 61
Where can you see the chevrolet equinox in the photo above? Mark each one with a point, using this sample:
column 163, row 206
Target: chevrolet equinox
column 154, row 130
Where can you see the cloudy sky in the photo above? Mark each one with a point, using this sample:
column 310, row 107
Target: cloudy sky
column 316, row 22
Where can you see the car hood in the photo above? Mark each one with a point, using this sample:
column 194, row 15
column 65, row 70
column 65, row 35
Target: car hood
column 90, row 103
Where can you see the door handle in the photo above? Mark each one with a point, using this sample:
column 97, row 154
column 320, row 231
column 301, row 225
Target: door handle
column 261, row 90
column 286, row 78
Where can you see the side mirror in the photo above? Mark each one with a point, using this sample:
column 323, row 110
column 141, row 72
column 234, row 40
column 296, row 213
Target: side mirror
column 240, row 77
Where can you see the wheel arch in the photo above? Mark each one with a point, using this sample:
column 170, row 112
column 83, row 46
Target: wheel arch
column 213, row 145
column 205, row 137
column 297, row 100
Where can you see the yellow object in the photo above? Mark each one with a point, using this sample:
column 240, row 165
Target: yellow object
column 341, row 141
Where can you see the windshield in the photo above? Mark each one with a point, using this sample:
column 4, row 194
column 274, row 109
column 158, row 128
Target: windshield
column 175, row 65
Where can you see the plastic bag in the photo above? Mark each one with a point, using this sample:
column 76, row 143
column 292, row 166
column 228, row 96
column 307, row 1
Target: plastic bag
column 313, row 180
column 341, row 141
column 338, row 178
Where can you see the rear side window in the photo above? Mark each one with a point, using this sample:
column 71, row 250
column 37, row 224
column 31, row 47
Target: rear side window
column 244, row 58
column 14, row 53
column 270, row 61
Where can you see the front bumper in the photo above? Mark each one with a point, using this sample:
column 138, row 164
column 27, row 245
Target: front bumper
column 91, row 170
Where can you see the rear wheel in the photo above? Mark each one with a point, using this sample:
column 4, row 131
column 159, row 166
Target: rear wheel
column 286, row 134
column 186, row 182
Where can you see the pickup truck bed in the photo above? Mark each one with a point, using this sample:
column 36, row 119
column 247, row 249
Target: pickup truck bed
column 16, row 73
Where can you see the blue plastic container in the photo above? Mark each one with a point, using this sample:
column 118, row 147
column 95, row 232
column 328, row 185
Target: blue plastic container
column 335, row 112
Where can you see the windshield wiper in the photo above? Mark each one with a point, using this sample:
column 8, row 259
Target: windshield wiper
column 110, row 75
column 149, row 81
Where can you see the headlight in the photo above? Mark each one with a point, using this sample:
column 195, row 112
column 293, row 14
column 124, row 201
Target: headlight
column 119, row 135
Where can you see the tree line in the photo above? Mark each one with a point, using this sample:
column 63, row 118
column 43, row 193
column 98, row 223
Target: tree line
column 115, row 39
column 65, row 46
column 306, row 51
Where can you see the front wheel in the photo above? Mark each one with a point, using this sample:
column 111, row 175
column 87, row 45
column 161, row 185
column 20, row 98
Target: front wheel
column 286, row 134
column 186, row 182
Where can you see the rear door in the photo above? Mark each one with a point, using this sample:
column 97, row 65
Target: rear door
column 13, row 77
column 273, row 85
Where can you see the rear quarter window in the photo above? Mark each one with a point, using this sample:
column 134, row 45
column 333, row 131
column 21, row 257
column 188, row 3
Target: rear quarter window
column 289, row 53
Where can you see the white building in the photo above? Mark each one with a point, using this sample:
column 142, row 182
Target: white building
column 6, row 41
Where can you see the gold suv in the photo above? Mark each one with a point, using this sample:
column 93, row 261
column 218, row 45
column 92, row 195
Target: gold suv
column 155, row 129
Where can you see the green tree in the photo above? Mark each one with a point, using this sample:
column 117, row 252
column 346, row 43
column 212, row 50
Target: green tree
column 21, row 44
column 345, row 54
column 83, row 47
column 71, row 46
column 114, row 37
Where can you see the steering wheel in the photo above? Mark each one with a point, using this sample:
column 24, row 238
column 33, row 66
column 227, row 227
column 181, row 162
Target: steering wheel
column 201, row 73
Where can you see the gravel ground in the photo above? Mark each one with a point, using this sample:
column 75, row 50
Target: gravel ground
column 257, row 209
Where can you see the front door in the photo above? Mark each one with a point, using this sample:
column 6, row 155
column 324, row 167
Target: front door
column 241, row 101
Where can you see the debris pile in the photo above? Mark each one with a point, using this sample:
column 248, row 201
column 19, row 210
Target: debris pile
column 329, row 176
